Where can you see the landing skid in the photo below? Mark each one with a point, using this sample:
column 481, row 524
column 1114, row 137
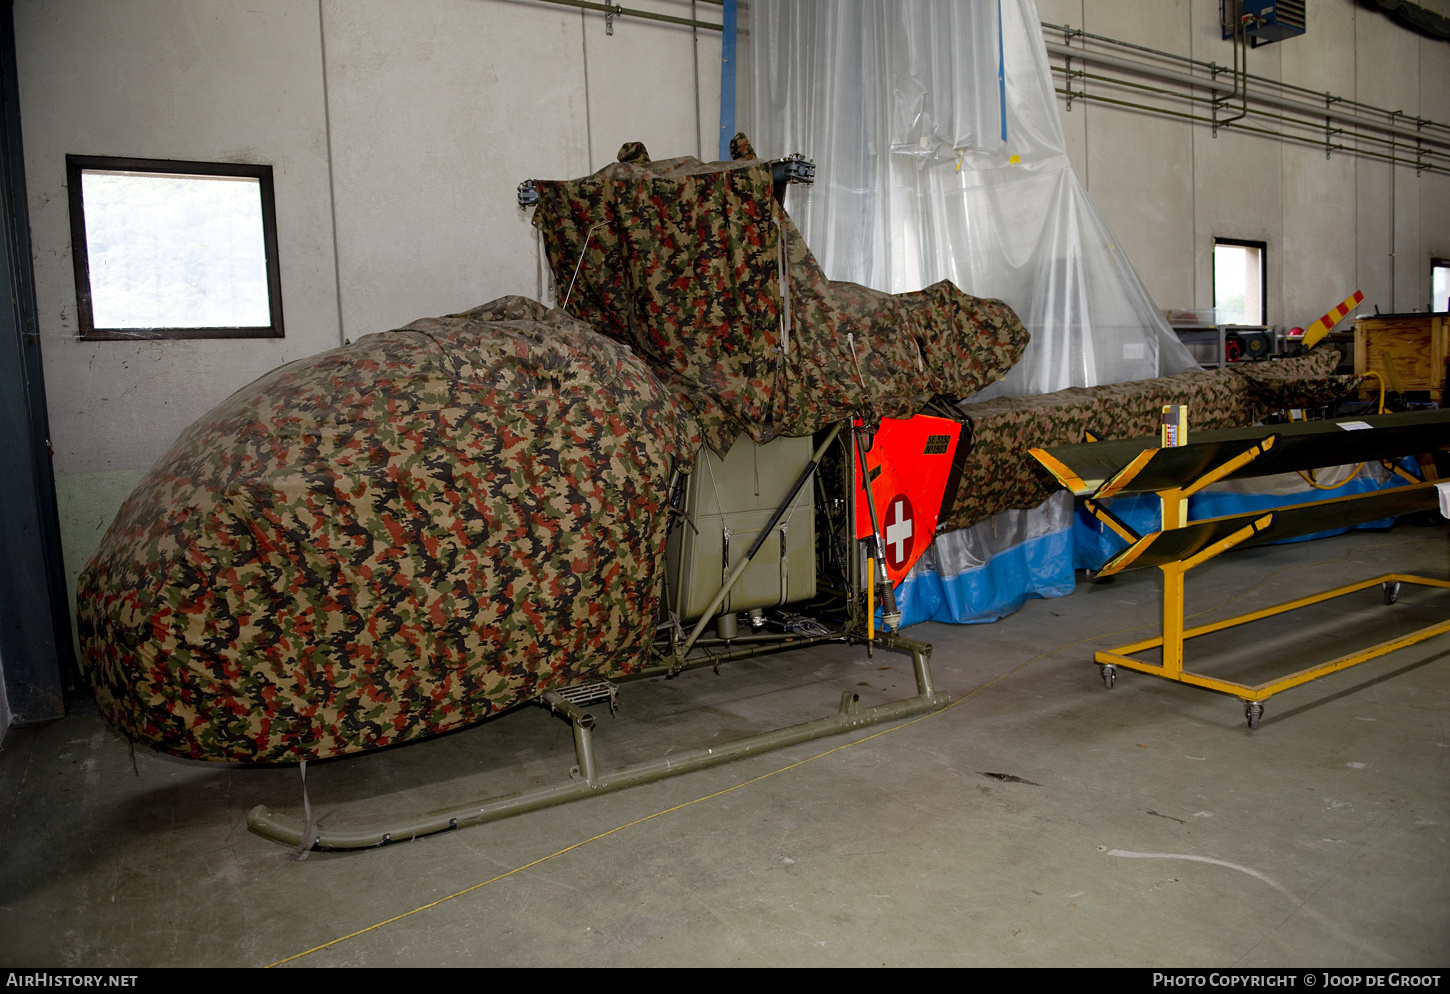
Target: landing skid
column 588, row 782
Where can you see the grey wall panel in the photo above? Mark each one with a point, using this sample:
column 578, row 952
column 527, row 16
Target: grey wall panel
column 225, row 81
column 1332, row 225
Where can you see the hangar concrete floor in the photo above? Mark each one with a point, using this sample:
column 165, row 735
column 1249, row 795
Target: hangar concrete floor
column 1040, row 820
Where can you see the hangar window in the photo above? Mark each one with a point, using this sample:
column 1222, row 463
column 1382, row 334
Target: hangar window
column 168, row 249
column 1239, row 276
column 1440, row 284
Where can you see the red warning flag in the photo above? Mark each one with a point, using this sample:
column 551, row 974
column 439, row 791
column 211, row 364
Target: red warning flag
column 910, row 464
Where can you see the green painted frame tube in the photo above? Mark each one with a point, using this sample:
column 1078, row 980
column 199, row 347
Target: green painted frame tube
column 289, row 831
column 583, row 725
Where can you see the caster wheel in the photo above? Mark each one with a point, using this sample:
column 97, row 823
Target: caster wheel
column 1110, row 674
column 1253, row 711
column 1392, row 591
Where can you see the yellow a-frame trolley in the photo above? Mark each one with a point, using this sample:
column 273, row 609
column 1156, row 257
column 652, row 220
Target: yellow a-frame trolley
column 1098, row 470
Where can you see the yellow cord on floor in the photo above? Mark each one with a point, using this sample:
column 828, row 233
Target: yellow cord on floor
column 1309, row 476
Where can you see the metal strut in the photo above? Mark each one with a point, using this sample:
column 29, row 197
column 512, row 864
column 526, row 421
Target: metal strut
column 890, row 617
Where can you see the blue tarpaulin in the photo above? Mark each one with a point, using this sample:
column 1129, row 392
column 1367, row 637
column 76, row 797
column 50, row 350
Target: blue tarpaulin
column 998, row 582
column 1039, row 567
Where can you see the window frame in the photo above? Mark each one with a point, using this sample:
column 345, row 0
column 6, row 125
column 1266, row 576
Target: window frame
column 1434, row 265
column 1263, row 248
column 80, row 252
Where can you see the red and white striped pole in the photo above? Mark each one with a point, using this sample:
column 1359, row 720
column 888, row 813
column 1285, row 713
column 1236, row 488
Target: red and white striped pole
column 1320, row 328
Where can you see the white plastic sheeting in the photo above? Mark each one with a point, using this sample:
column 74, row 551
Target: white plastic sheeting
column 899, row 104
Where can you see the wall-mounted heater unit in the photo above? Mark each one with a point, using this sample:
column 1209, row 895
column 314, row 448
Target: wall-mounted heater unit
column 1265, row 21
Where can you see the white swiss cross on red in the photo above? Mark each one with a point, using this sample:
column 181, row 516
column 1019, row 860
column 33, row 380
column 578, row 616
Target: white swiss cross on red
column 899, row 532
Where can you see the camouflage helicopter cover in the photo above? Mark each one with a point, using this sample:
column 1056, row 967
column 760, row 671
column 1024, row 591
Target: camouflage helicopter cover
column 683, row 260
column 1000, row 475
column 388, row 540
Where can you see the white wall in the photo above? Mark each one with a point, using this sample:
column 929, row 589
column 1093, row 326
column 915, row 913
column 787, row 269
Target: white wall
column 397, row 130
column 439, row 108
column 171, row 80
column 403, row 125
column 1168, row 187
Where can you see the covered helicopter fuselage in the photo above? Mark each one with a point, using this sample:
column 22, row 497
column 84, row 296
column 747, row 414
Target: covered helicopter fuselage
column 409, row 533
column 388, row 540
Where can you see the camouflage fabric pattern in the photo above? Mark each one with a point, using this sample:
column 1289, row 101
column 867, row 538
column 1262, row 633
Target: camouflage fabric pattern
column 1000, row 474
column 388, row 540
column 683, row 261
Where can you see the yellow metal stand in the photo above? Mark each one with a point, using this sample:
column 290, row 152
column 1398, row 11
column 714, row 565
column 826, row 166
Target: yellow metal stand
column 1200, row 541
column 1253, row 696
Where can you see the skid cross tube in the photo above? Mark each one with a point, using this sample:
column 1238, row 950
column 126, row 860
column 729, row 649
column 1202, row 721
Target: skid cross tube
column 852, row 715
